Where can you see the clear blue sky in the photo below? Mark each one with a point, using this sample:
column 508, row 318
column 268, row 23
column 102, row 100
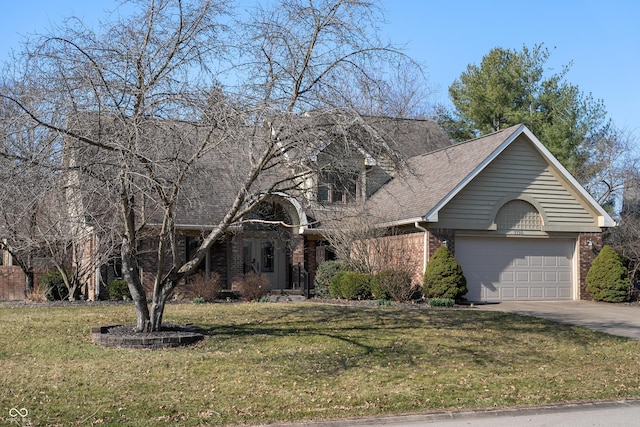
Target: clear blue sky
column 602, row 39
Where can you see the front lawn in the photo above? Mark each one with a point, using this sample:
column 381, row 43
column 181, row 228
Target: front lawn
column 266, row 362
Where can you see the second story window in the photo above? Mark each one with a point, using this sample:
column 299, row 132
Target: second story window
column 337, row 188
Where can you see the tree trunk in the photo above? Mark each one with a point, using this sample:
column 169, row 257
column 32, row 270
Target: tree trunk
column 131, row 274
column 160, row 297
column 29, row 283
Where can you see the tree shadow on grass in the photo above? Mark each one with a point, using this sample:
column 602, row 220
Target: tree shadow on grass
column 371, row 336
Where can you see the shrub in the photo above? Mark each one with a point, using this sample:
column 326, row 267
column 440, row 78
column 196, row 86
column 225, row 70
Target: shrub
column 38, row 294
column 325, row 272
column 443, row 277
column 335, row 284
column 52, row 285
column 392, row 284
column 608, row 279
column 198, row 300
column 252, row 287
column 119, row 290
column 355, row 285
column 201, row 286
column 441, row 302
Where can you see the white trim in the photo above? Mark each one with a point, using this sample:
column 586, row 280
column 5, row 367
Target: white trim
column 432, row 215
column 604, row 219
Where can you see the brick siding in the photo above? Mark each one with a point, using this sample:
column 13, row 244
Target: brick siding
column 586, row 255
column 12, row 283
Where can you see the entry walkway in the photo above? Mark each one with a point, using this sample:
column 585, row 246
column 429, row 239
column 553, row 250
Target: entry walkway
column 614, row 319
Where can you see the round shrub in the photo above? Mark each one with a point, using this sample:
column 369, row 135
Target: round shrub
column 392, row 284
column 335, row 284
column 443, row 277
column 355, row 285
column 608, row 278
column 119, row 290
column 325, row 272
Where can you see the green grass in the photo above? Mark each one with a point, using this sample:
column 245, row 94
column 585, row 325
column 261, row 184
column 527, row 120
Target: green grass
column 289, row 362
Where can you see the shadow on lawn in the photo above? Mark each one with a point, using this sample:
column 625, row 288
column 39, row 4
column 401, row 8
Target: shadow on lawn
column 381, row 336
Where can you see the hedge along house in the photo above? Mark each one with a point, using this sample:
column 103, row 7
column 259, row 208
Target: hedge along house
column 519, row 224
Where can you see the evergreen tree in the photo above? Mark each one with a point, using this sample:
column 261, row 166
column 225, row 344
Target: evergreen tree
column 608, row 278
column 443, row 277
column 511, row 87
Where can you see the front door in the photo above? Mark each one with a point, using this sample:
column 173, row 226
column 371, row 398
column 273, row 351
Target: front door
column 267, row 256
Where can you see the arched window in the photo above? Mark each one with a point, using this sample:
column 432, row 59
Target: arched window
column 518, row 215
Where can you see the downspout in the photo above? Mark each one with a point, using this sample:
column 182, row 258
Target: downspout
column 425, row 255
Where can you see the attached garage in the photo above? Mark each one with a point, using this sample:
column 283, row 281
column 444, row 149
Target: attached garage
column 519, row 224
column 508, row 268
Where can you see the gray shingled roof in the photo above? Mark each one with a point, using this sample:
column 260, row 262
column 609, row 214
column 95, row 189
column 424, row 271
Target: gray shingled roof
column 430, row 178
column 207, row 194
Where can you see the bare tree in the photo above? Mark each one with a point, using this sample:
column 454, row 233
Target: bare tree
column 35, row 223
column 25, row 182
column 145, row 108
column 613, row 164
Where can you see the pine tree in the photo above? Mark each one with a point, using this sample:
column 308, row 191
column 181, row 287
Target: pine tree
column 608, row 279
column 443, row 277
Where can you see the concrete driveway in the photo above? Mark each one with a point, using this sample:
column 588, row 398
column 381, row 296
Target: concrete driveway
column 614, row 319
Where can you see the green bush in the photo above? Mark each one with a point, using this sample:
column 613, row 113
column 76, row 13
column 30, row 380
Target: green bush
column 443, row 277
column 392, row 284
column 53, row 286
column 355, row 285
column 335, row 284
column 119, row 290
column 608, row 277
column 441, row 302
column 198, row 300
column 325, row 272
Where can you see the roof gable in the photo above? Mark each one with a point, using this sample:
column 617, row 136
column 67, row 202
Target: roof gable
column 435, row 179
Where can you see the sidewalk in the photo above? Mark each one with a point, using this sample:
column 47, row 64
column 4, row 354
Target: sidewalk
column 595, row 414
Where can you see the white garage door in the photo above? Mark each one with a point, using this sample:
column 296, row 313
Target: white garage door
column 516, row 268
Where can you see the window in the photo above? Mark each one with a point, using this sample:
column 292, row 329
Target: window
column 336, row 188
column 518, row 215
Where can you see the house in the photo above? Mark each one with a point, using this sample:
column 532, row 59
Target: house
column 519, row 224
column 283, row 237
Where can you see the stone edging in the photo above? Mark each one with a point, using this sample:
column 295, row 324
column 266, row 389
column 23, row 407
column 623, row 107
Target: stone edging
column 155, row 340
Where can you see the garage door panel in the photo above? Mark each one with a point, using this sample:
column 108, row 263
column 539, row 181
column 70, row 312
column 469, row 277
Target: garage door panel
column 536, row 292
column 536, row 261
column 507, row 293
column 516, row 268
column 536, row 276
column 521, row 262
